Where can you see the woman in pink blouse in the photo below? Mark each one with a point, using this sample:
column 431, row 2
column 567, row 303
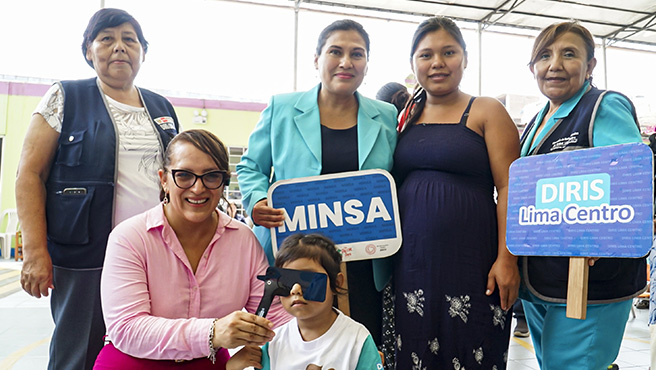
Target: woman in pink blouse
column 176, row 278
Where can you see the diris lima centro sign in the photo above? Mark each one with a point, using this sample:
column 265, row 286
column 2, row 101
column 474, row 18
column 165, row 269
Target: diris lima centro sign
column 594, row 202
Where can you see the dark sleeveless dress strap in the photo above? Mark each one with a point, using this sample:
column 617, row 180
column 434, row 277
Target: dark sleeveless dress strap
column 465, row 114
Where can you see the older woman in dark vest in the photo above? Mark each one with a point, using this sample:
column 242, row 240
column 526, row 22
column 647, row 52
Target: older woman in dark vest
column 89, row 161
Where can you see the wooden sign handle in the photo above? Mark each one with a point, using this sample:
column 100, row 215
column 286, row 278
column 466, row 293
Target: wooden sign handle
column 577, row 288
column 343, row 299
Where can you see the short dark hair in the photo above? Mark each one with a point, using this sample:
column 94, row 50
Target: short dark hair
column 652, row 144
column 342, row 25
column 315, row 247
column 548, row 35
column 204, row 141
column 106, row 18
column 395, row 94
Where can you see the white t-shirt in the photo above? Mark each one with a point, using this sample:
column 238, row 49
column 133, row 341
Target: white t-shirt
column 139, row 152
column 347, row 345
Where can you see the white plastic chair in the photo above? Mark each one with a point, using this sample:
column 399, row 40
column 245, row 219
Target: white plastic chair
column 6, row 237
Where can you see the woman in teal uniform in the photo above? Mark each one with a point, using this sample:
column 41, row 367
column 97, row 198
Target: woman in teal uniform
column 577, row 116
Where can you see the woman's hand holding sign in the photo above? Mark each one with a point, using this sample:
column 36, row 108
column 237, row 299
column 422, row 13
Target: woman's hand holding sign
column 266, row 216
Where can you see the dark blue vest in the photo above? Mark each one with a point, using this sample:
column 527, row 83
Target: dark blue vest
column 79, row 221
column 610, row 279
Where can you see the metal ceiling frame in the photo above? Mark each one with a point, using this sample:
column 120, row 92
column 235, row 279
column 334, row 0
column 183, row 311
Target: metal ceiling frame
column 511, row 7
column 635, row 30
column 622, row 32
column 514, row 6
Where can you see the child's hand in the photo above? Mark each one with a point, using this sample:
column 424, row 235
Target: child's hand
column 247, row 356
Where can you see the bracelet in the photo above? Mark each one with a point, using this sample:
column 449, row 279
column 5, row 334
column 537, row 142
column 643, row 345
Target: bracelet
column 212, row 355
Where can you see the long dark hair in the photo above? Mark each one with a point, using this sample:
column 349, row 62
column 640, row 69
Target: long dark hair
column 395, row 94
column 415, row 105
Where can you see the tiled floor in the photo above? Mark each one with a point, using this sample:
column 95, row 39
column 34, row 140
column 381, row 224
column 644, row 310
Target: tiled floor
column 26, row 326
column 634, row 353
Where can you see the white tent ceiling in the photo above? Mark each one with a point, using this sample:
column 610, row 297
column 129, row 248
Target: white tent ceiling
column 631, row 21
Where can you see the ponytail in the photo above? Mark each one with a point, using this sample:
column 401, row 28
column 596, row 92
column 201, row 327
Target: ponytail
column 413, row 109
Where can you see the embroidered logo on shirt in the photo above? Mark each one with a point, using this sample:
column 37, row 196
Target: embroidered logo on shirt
column 565, row 141
column 165, row 122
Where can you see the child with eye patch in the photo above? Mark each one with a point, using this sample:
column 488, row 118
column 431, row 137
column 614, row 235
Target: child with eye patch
column 319, row 334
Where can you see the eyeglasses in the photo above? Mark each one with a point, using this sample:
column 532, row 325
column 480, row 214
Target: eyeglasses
column 211, row 180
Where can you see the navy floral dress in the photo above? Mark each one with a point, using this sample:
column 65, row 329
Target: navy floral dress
column 444, row 320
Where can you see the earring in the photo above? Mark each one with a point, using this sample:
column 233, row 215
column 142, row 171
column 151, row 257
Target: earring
column 165, row 200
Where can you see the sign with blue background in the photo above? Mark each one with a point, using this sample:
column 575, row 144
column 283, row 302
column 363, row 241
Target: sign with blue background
column 357, row 210
column 594, row 202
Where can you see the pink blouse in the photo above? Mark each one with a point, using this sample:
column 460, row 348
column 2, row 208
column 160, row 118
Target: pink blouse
column 155, row 307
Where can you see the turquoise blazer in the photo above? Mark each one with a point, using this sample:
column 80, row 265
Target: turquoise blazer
column 286, row 144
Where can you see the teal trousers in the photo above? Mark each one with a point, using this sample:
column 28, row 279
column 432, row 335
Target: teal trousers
column 563, row 343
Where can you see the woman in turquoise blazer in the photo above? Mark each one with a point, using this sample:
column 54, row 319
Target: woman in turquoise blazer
column 331, row 128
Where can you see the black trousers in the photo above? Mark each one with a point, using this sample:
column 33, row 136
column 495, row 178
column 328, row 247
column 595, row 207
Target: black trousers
column 366, row 303
column 79, row 325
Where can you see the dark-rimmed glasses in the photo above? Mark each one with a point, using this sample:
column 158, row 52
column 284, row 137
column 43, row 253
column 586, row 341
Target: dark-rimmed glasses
column 211, row 180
